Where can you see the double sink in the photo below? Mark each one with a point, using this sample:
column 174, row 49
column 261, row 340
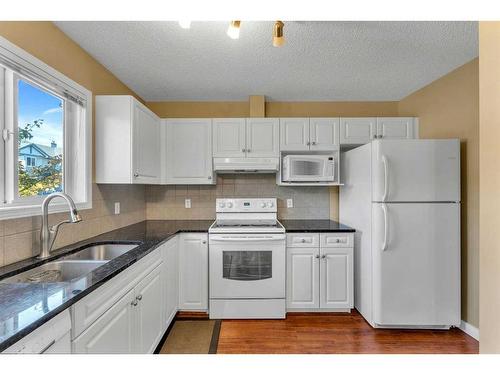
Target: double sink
column 72, row 267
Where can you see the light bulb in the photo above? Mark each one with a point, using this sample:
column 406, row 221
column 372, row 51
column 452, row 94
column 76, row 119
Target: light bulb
column 233, row 31
column 278, row 38
column 185, row 24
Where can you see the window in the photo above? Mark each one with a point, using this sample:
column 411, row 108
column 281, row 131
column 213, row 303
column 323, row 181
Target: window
column 45, row 145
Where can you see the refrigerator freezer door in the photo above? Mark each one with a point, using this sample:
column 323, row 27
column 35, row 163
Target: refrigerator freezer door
column 416, row 170
column 416, row 279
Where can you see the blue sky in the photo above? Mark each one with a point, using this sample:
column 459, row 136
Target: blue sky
column 36, row 104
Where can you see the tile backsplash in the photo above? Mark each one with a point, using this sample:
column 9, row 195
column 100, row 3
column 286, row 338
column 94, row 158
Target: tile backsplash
column 166, row 202
column 20, row 237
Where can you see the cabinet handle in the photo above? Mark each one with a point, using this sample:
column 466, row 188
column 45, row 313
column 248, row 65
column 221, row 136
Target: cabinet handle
column 303, row 240
column 203, row 242
column 209, row 177
column 323, row 256
column 317, row 256
column 242, row 150
column 136, row 175
column 314, row 143
column 248, row 150
column 48, row 346
column 133, row 303
column 139, row 297
column 308, row 143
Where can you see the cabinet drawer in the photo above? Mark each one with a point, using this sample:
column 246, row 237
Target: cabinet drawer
column 336, row 240
column 88, row 309
column 302, row 240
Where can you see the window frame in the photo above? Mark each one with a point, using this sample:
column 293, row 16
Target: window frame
column 77, row 152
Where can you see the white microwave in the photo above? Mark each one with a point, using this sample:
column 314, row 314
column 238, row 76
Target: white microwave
column 308, row 168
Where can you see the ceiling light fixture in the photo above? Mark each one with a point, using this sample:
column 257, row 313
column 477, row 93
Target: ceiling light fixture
column 233, row 31
column 185, row 24
column 278, row 38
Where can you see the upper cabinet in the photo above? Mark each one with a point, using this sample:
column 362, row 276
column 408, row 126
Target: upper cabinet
column 304, row 134
column 396, row 128
column 188, row 151
column 251, row 137
column 357, row 130
column 360, row 130
column 127, row 141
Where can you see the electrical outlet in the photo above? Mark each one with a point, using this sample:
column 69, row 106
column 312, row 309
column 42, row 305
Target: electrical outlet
column 117, row 208
column 187, row 203
column 289, row 203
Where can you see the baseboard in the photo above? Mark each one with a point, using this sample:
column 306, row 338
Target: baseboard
column 470, row 330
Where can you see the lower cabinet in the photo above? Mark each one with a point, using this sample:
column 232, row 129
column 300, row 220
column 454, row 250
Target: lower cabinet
column 113, row 332
column 193, row 272
column 133, row 325
column 320, row 277
column 170, row 255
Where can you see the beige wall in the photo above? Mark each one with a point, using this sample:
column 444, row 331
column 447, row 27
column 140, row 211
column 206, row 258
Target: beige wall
column 489, row 170
column 449, row 108
column 19, row 237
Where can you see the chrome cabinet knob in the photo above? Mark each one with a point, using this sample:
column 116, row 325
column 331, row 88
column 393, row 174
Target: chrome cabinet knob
column 248, row 150
column 139, row 297
column 323, row 256
column 136, row 174
column 317, row 256
column 314, row 143
column 209, row 177
column 308, row 143
column 203, row 242
column 303, row 240
column 242, row 150
column 133, row 303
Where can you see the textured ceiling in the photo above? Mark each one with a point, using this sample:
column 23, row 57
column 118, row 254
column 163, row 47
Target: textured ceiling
column 320, row 60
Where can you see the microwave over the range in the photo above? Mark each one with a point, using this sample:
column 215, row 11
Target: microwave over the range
column 308, row 168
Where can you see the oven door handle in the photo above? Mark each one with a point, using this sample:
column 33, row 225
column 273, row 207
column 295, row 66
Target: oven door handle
column 246, row 239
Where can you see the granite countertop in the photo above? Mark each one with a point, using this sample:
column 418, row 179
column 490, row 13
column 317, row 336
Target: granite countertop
column 315, row 226
column 25, row 307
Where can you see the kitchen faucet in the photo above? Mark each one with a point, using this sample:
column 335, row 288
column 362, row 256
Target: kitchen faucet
column 48, row 235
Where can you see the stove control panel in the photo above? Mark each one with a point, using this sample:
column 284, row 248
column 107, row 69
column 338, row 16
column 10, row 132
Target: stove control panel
column 246, row 205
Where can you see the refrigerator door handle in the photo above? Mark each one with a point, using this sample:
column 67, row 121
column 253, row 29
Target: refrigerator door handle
column 386, row 229
column 386, row 178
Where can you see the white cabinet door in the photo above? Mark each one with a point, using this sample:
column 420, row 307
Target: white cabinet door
column 171, row 264
column 395, row 128
column 357, row 130
column 324, row 134
column 149, row 298
column 193, row 271
column 336, row 278
column 262, row 137
column 302, row 278
column 229, row 137
column 145, row 147
column 113, row 332
column 294, row 134
column 189, row 151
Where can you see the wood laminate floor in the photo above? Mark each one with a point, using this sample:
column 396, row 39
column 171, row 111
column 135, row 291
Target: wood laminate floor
column 335, row 333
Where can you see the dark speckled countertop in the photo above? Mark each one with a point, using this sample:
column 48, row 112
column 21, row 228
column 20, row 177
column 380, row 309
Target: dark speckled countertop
column 315, row 226
column 25, row 307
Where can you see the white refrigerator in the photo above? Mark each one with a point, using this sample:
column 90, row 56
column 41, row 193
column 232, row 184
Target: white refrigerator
column 403, row 199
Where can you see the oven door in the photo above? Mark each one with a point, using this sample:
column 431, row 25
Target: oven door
column 247, row 266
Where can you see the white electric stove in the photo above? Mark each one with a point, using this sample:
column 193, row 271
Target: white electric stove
column 247, row 260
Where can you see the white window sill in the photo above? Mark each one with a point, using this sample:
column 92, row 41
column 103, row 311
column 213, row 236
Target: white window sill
column 16, row 212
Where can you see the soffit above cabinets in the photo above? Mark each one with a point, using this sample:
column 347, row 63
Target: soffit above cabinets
column 342, row 61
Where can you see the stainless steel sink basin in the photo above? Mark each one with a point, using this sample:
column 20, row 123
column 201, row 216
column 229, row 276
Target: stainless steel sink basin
column 57, row 271
column 103, row 252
